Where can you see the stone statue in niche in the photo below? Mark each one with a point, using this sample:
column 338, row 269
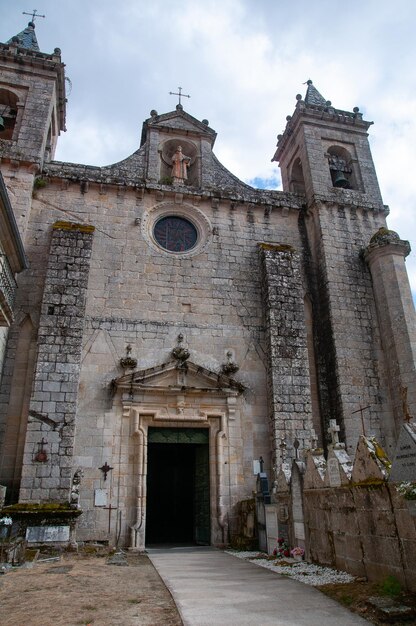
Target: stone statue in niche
column 180, row 166
column 76, row 481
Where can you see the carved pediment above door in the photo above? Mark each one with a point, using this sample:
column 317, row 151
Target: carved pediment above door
column 176, row 377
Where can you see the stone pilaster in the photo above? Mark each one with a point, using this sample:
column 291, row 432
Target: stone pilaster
column 47, row 468
column 396, row 313
column 289, row 395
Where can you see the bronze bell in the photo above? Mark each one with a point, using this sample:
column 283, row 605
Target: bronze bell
column 340, row 180
column 2, row 126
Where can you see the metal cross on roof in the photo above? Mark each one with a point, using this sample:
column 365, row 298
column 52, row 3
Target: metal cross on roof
column 34, row 14
column 180, row 94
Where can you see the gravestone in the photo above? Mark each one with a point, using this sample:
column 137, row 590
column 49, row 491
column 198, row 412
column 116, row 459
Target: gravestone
column 333, row 472
column 47, row 534
column 404, row 463
column 262, row 498
column 297, row 503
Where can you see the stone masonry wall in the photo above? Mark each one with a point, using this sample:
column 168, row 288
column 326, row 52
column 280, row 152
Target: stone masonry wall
column 53, row 403
column 348, row 333
column 366, row 530
column 290, row 410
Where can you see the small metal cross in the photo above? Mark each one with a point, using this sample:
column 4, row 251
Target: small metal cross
column 360, row 410
column 105, row 469
column 34, row 14
column 180, row 94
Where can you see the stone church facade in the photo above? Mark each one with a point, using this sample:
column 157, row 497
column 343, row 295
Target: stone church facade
column 176, row 324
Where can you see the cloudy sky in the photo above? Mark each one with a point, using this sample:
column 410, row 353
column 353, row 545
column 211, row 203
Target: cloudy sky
column 243, row 62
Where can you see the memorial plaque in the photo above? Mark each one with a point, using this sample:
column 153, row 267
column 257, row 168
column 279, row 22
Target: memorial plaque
column 45, row 534
column 404, row 464
column 299, row 529
column 256, row 467
column 333, row 473
column 100, row 497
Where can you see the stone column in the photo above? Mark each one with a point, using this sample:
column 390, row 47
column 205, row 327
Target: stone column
column 396, row 313
column 289, row 394
column 47, row 461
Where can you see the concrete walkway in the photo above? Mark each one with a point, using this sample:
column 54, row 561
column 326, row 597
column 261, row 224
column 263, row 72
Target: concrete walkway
column 211, row 588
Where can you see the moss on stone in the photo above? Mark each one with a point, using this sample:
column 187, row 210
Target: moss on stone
column 281, row 247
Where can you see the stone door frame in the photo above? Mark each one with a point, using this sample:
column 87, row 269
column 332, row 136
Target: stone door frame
column 141, row 417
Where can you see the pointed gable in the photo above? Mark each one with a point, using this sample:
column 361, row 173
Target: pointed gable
column 178, row 121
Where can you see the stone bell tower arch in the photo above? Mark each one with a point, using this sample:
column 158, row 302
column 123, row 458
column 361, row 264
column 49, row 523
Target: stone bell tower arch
column 324, row 154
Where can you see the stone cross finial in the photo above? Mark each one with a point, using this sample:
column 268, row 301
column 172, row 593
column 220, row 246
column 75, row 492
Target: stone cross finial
column 333, row 431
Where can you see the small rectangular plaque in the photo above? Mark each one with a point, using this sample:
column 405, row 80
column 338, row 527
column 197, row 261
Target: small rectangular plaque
column 100, row 497
column 45, row 534
column 256, row 467
column 299, row 529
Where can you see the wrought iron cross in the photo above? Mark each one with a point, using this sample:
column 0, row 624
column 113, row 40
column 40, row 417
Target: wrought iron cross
column 34, row 14
column 180, row 94
column 105, row 469
column 360, row 410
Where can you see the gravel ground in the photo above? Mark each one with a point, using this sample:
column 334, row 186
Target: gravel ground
column 307, row 573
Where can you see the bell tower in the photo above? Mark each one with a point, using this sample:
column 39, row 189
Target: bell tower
column 32, row 114
column 324, row 154
column 324, row 150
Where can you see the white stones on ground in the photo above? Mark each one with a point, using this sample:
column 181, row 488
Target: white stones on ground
column 308, row 573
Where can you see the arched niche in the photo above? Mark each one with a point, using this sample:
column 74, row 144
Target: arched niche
column 8, row 111
column 296, row 179
column 342, row 168
column 167, row 150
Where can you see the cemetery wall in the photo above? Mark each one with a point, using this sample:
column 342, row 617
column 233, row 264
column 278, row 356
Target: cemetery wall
column 366, row 530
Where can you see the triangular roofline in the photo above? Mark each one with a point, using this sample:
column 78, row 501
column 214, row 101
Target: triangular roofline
column 161, row 121
column 210, row 381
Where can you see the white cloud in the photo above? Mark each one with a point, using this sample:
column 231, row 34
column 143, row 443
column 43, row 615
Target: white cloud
column 243, row 63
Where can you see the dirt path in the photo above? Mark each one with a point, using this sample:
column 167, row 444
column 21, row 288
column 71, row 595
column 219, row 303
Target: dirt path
column 85, row 590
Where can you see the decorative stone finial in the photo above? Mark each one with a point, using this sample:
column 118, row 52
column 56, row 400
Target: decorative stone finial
column 127, row 362
column 180, row 353
column 205, row 122
column 384, row 237
column 230, row 367
column 333, row 431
